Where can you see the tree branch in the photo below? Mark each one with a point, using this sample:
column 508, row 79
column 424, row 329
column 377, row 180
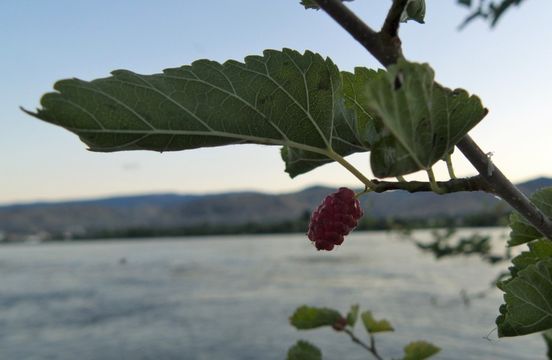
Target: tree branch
column 393, row 19
column 502, row 187
column 475, row 183
column 387, row 50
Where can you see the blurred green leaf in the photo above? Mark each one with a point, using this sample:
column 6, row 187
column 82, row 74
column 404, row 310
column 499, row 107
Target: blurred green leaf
column 352, row 315
column 419, row 350
column 528, row 301
column 303, row 350
column 420, row 121
column 374, row 326
column 538, row 250
column 522, row 231
column 308, row 317
column 488, row 10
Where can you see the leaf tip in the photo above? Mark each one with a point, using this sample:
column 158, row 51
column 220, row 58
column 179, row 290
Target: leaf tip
column 28, row 112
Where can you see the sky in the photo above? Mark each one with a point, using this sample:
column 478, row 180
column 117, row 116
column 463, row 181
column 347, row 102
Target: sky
column 44, row 41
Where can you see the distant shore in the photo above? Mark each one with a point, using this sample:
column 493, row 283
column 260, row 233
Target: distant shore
column 284, row 227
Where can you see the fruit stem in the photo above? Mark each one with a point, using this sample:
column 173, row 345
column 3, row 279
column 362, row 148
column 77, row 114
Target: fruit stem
column 353, row 170
column 365, row 191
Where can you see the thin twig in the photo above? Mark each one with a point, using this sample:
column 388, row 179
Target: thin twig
column 371, row 348
column 383, row 48
column 475, row 183
column 393, row 19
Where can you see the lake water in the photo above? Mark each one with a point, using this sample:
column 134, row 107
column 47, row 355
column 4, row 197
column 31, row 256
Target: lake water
column 230, row 298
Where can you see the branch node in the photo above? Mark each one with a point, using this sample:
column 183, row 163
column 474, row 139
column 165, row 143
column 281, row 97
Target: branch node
column 384, row 46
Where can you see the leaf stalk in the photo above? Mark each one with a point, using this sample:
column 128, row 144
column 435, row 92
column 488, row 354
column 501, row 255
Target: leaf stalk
column 450, row 168
column 433, row 183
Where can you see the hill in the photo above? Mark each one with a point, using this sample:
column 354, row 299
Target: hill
column 169, row 211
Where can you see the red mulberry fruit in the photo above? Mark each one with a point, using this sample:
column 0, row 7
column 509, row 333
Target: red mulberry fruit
column 340, row 324
column 334, row 218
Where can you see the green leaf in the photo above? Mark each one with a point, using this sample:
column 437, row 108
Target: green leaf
column 352, row 315
column 464, row 2
column 303, row 350
column 522, row 231
column 414, row 10
column 281, row 98
column 528, row 301
column 345, row 141
column 374, row 326
column 538, row 250
column 419, row 350
column 356, row 98
column 311, row 4
column 419, row 121
column 308, row 317
column 547, row 336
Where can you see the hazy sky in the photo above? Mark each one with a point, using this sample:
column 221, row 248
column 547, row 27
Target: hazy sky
column 43, row 41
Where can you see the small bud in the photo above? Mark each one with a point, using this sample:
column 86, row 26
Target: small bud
column 340, row 324
column 414, row 10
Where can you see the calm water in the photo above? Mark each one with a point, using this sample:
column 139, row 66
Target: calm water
column 230, row 298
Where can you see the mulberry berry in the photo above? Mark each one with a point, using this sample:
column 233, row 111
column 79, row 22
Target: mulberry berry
column 334, row 218
column 340, row 324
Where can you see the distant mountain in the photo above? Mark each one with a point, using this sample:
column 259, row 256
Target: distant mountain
column 531, row 186
column 117, row 201
column 174, row 210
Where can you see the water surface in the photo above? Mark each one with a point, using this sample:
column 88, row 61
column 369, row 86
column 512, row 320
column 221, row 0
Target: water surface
column 230, row 298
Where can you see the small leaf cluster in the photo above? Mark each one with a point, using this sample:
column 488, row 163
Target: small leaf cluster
column 415, row 122
column 489, row 10
column 308, row 317
column 444, row 244
column 527, row 290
